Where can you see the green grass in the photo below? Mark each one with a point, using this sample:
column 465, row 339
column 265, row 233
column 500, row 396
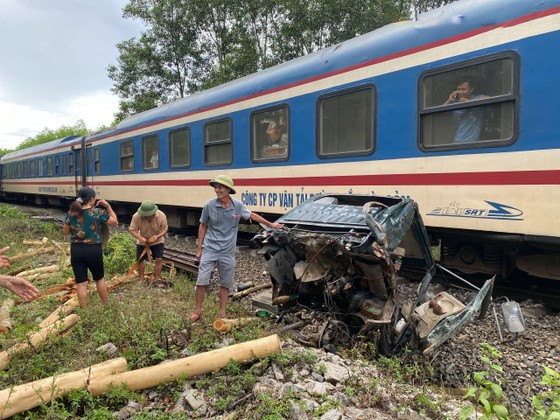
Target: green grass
column 143, row 323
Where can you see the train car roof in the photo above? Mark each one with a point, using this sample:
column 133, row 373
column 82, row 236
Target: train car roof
column 41, row 147
column 445, row 22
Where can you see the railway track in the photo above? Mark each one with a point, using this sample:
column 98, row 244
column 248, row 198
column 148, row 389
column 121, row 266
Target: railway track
column 184, row 261
column 521, row 287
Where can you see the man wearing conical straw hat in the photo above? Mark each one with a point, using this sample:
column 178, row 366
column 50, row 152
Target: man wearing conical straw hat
column 217, row 237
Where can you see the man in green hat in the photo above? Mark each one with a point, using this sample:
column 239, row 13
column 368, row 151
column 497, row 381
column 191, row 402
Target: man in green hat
column 148, row 227
column 217, row 237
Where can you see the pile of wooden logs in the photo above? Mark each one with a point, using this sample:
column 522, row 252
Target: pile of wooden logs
column 52, row 325
column 100, row 378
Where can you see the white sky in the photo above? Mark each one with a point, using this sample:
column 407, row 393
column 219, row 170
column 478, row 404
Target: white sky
column 53, row 64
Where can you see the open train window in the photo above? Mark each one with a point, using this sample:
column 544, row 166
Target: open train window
column 63, row 166
column 40, row 167
column 127, row 156
column 345, row 123
column 270, row 134
column 218, row 145
column 180, row 148
column 57, row 165
column 32, row 168
column 150, row 152
column 471, row 104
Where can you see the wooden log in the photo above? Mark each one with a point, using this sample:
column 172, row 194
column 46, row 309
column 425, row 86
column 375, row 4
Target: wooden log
column 40, row 270
column 15, row 272
column 59, row 312
column 65, row 249
column 32, row 394
column 5, row 319
column 251, row 290
column 39, row 276
column 198, row 364
column 34, row 242
column 22, row 255
column 225, row 325
column 36, row 339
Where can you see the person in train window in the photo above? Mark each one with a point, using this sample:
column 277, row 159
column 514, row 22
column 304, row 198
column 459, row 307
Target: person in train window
column 277, row 140
column 84, row 223
column 154, row 160
column 149, row 227
column 468, row 121
column 17, row 285
column 217, row 236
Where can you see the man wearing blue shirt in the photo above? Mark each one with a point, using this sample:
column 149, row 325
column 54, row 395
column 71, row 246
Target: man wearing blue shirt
column 217, row 237
column 468, row 121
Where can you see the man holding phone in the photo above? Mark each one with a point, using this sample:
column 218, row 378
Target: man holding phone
column 468, row 121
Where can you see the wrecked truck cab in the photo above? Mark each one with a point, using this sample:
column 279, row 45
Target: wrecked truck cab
column 334, row 266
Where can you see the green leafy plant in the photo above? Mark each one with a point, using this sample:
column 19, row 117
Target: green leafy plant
column 120, row 253
column 10, row 211
column 548, row 404
column 426, row 406
column 270, row 408
column 488, row 395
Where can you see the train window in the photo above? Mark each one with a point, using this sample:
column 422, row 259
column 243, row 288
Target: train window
column 57, row 165
column 32, row 168
column 270, row 134
column 89, row 159
column 218, row 147
column 63, row 165
column 127, row 156
column 346, row 123
column 150, row 152
column 19, row 169
column 40, row 167
column 180, row 148
column 96, row 161
column 25, row 173
column 49, row 166
column 70, row 163
column 473, row 104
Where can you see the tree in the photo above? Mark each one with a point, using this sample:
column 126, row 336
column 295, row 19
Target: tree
column 46, row 135
column 420, row 6
column 316, row 24
column 5, row 151
column 160, row 66
column 190, row 45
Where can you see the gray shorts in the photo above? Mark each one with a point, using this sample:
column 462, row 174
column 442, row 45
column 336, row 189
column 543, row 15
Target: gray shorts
column 226, row 269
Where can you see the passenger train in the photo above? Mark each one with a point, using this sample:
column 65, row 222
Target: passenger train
column 457, row 110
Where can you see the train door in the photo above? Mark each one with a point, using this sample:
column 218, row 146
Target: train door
column 79, row 164
column 90, row 163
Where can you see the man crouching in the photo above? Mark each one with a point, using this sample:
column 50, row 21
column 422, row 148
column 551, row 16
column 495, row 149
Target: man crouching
column 149, row 226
